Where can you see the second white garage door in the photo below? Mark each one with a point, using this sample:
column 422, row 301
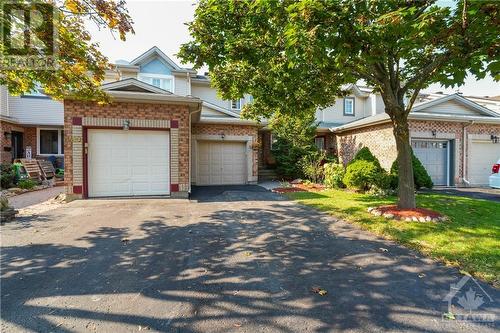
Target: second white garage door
column 482, row 156
column 221, row 163
column 128, row 163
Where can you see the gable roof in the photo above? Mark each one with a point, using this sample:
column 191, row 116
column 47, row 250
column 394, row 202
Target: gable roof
column 132, row 84
column 152, row 52
column 485, row 115
column 459, row 99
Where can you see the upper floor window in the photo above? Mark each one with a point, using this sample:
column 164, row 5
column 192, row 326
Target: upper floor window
column 236, row 104
column 165, row 82
column 349, row 106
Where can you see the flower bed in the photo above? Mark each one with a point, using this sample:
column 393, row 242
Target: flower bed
column 415, row 215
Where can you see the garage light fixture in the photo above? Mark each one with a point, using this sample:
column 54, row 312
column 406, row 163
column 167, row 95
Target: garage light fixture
column 126, row 125
column 222, row 135
column 433, row 133
column 495, row 139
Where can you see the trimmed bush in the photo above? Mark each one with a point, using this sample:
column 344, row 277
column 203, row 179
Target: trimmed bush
column 364, row 154
column 334, row 175
column 420, row 175
column 26, row 184
column 8, row 175
column 362, row 175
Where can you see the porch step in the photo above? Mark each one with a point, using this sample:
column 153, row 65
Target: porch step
column 267, row 174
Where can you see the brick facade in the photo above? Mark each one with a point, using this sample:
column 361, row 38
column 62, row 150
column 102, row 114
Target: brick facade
column 380, row 140
column 29, row 140
column 79, row 115
column 231, row 130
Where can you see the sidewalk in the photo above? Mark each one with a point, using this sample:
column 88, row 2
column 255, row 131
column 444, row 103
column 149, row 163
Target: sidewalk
column 35, row 197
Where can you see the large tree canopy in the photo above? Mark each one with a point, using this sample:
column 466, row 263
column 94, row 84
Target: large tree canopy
column 293, row 56
column 80, row 67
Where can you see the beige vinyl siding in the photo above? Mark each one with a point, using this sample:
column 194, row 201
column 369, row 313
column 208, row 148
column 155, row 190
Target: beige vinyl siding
column 36, row 111
column 335, row 113
column 210, row 113
column 450, row 107
column 181, row 85
column 206, row 93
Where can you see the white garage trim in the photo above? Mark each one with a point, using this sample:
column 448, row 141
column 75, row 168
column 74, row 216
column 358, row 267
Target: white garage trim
column 479, row 139
column 455, row 154
column 227, row 138
column 448, row 155
column 128, row 163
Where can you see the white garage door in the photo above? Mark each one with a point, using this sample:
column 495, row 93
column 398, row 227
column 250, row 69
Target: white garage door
column 482, row 156
column 221, row 163
column 434, row 157
column 128, row 163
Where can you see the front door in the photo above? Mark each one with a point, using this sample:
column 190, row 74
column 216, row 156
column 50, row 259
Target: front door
column 17, row 145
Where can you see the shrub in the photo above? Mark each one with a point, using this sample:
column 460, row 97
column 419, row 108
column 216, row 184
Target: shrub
column 8, row 175
column 362, row 175
column 364, row 154
column 26, row 184
column 334, row 175
column 420, row 175
column 311, row 166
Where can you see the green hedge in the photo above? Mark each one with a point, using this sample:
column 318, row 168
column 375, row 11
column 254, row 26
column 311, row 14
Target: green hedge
column 362, row 175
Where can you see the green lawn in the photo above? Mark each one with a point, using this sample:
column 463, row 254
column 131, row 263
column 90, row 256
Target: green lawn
column 469, row 240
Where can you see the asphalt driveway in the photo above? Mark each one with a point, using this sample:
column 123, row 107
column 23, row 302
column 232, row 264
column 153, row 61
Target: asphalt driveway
column 240, row 263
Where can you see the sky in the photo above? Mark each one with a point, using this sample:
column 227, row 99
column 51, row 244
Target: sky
column 162, row 23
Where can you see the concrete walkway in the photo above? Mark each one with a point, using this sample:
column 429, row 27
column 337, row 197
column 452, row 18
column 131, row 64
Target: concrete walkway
column 35, row 197
column 234, row 263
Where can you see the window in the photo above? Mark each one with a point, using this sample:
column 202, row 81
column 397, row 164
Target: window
column 236, row 104
column 319, row 141
column 348, row 106
column 165, row 82
column 50, row 142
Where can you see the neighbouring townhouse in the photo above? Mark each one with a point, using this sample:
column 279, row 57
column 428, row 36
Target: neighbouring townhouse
column 167, row 129
column 31, row 125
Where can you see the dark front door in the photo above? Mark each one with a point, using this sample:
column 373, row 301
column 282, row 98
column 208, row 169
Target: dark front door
column 17, row 145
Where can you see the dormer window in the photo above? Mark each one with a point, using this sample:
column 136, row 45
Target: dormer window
column 349, row 106
column 236, row 104
column 165, row 82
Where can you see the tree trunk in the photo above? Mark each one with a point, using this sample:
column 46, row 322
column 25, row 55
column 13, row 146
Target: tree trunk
column 406, row 188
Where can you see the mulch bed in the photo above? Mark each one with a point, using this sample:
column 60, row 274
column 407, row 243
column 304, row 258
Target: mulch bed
column 416, row 214
column 300, row 188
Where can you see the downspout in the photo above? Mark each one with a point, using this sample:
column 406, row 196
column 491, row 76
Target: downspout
column 464, row 159
column 190, row 147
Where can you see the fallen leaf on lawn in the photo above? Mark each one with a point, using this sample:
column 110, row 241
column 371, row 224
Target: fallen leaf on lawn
column 449, row 316
column 383, row 250
column 319, row 291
